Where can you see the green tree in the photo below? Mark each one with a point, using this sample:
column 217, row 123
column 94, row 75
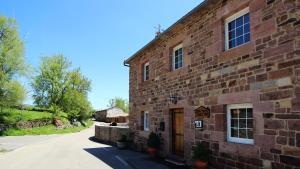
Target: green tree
column 11, row 62
column 52, row 81
column 13, row 94
column 57, row 85
column 120, row 103
column 77, row 105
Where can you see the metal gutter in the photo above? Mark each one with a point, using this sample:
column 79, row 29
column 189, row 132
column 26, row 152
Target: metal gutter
column 201, row 5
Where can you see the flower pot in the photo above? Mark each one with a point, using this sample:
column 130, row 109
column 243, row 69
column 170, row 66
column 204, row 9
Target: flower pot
column 121, row 144
column 199, row 164
column 152, row 151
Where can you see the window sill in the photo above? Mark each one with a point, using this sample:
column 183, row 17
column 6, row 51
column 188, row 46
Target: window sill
column 241, row 141
column 237, row 51
column 178, row 71
column 145, row 82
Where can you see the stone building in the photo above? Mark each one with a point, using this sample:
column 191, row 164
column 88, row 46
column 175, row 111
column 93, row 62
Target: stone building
column 113, row 114
column 239, row 60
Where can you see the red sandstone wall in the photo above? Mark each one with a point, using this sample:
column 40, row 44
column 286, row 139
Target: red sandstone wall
column 265, row 72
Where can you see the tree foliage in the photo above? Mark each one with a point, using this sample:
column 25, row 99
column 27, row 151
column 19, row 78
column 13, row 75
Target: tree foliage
column 120, row 103
column 57, row 85
column 11, row 63
column 13, row 94
column 52, row 81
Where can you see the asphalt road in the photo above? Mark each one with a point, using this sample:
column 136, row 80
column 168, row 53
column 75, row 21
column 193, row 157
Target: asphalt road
column 69, row 151
column 10, row 143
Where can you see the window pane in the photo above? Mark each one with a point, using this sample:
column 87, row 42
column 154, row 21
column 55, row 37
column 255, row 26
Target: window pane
column 234, row 132
column 180, row 51
column 247, row 28
column 242, row 113
column 234, row 122
column 246, row 18
column 240, row 40
column 249, row 123
column 249, row 113
column 247, row 37
column 179, row 64
column 234, row 113
column 250, row 134
column 232, row 44
column 231, row 25
column 176, row 53
column 239, row 21
column 242, row 123
column 242, row 133
column 239, row 31
column 231, row 34
column 176, row 59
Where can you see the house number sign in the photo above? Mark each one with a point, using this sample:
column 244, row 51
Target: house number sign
column 199, row 124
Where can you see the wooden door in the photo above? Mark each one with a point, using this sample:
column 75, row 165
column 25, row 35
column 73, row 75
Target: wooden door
column 177, row 133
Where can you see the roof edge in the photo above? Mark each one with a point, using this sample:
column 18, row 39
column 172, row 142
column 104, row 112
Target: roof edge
column 201, row 5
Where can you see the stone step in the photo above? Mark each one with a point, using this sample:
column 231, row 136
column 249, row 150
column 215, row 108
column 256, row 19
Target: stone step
column 176, row 160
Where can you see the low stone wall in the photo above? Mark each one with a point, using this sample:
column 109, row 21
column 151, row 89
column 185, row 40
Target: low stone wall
column 5, row 127
column 34, row 123
column 26, row 124
column 110, row 134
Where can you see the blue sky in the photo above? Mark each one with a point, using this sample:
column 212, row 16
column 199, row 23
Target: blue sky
column 96, row 35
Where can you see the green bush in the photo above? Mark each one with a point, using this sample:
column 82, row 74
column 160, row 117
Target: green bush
column 123, row 138
column 153, row 141
column 201, row 153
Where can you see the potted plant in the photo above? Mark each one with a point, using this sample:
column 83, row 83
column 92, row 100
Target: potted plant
column 200, row 157
column 122, row 142
column 153, row 143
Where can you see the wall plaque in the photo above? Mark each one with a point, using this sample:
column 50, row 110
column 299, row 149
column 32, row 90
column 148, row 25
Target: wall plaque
column 199, row 124
column 202, row 112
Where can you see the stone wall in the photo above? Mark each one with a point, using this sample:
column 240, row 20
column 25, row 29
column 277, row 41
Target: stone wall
column 4, row 127
column 33, row 123
column 264, row 72
column 110, row 134
column 27, row 124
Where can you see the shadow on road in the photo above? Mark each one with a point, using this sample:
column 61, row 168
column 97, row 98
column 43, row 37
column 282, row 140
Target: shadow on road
column 126, row 159
column 109, row 156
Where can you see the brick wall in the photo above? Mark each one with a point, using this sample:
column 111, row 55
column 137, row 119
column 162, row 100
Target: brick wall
column 264, row 72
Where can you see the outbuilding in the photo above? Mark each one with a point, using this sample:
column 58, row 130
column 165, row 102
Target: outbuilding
column 113, row 114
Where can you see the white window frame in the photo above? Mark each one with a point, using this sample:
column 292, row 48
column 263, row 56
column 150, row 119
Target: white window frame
column 228, row 20
column 235, row 139
column 146, row 121
column 144, row 71
column 173, row 56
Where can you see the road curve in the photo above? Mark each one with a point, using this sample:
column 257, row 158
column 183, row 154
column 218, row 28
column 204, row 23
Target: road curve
column 70, row 151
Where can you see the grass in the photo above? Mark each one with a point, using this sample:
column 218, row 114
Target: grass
column 12, row 116
column 2, row 150
column 45, row 130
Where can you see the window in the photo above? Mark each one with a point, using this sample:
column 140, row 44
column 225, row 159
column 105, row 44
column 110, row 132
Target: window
column 237, row 29
column 146, row 71
column 177, row 57
column 146, row 121
column 240, row 123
